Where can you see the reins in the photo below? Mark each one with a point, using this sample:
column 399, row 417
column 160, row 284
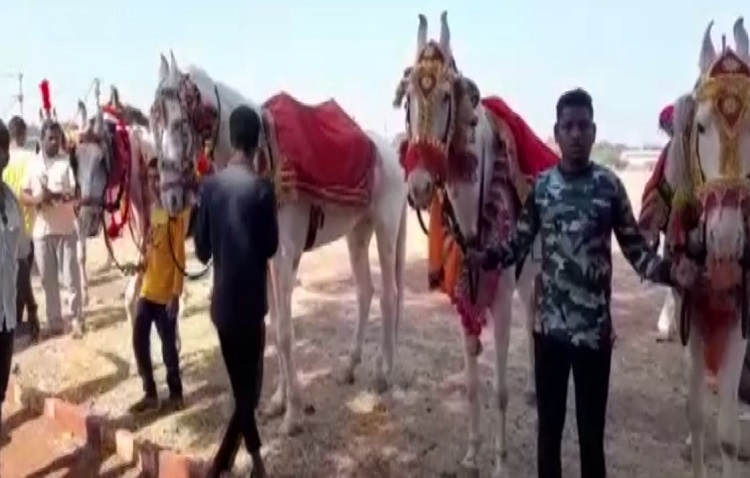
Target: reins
column 192, row 276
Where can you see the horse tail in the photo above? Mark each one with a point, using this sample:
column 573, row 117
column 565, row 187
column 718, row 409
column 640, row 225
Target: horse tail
column 400, row 264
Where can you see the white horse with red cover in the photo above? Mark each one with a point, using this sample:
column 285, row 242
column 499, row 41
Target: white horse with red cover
column 707, row 167
column 480, row 163
column 333, row 180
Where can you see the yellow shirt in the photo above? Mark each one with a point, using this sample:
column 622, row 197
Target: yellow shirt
column 14, row 175
column 162, row 279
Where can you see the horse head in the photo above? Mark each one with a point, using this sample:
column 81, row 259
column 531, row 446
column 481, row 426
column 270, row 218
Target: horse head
column 439, row 116
column 93, row 159
column 181, row 124
column 709, row 161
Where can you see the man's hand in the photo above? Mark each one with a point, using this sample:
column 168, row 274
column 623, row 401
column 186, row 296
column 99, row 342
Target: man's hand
column 173, row 308
column 685, row 273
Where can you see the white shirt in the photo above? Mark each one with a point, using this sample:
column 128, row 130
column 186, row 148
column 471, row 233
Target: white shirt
column 10, row 235
column 57, row 175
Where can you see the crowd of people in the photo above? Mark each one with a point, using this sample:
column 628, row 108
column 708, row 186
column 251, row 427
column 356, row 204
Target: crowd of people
column 38, row 204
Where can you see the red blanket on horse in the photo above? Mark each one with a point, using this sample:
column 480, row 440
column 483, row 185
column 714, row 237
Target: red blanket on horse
column 320, row 150
column 531, row 153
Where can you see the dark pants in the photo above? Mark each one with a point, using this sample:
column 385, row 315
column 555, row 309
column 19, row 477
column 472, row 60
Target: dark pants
column 745, row 377
column 6, row 356
column 25, row 293
column 151, row 313
column 554, row 360
column 242, row 347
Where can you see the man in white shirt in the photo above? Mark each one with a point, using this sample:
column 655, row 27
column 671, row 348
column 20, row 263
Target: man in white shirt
column 50, row 186
column 11, row 225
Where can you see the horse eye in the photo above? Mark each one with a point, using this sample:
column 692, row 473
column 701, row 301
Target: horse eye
column 701, row 129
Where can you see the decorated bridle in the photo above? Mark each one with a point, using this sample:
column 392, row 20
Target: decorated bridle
column 726, row 86
column 435, row 78
column 200, row 132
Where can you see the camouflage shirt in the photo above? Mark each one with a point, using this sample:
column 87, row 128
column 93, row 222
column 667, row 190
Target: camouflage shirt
column 575, row 214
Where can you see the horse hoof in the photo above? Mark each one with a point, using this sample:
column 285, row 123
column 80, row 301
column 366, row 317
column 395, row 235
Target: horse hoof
column 380, row 384
column 530, row 397
column 346, row 377
column 274, row 409
column 290, row 427
column 470, row 467
column 664, row 337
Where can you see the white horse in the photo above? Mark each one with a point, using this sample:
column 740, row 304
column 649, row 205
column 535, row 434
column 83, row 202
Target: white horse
column 709, row 162
column 178, row 141
column 440, row 118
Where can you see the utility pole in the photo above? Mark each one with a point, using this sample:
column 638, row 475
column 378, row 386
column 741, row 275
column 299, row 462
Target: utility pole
column 18, row 97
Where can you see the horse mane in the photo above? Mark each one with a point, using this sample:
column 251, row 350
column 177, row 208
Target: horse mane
column 677, row 168
column 228, row 95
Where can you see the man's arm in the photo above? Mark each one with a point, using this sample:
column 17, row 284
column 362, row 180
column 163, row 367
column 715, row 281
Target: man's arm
column 178, row 247
column 202, row 227
column 527, row 227
column 635, row 248
column 29, row 184
column 268, row 230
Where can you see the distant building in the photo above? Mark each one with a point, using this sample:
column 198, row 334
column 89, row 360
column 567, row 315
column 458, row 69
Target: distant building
column 644, row 158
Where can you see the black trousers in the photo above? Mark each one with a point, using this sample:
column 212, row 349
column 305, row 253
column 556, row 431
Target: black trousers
column 25, row 293
column 6, row 357
column 152, row 313
column 242, row 347
column 591, row 368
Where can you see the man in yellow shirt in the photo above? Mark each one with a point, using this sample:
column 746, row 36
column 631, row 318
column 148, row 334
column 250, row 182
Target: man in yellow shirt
column 13, row 176
column 158, row 303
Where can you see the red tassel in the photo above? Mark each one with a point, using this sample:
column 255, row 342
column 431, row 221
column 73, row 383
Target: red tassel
column 46, row 101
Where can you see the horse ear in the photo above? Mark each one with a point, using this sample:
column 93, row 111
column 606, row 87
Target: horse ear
column 163, row 68
column 173, row 68
column 708, row 52
column 82, row 116
column 741, row 40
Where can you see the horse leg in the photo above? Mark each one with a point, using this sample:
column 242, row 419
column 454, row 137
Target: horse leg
column 387, row 238
column 277, row 404
column 502, row 316
column 667, row 320
column 527, row 292
column 729, row 381
column 358, row 242
column 471, row 459
column 81, row 245
column 284, row 281
column 696, row 403
column 130, row 297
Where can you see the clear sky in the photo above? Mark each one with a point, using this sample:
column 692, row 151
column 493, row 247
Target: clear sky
column 633, row 56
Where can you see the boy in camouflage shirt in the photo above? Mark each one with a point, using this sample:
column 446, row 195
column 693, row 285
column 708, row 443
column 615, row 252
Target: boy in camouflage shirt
column 576, row 206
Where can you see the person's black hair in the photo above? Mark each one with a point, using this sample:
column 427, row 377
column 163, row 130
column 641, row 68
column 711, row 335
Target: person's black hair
column 4, row 136
column 578, row 98
column 50, row 125
column 244, row 129
column 17, row 127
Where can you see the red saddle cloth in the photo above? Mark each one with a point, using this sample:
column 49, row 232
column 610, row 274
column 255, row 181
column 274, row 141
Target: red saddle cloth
column 321, row 151
column 533, row 155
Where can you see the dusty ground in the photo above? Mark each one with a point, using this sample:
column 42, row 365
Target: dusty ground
column 417, row 430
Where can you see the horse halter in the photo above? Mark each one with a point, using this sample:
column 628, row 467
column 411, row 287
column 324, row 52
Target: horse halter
column 199, row 127
column 105, row 142
column 434, row 73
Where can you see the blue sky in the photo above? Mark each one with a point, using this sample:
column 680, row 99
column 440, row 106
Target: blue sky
column 634, row 57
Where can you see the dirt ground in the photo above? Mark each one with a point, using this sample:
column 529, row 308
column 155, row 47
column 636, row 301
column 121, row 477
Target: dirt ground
column 418, row 429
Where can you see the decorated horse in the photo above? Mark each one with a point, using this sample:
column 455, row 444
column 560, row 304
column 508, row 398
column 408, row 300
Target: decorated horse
column 333, row 180
column 706, row 172
column 471, row 162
